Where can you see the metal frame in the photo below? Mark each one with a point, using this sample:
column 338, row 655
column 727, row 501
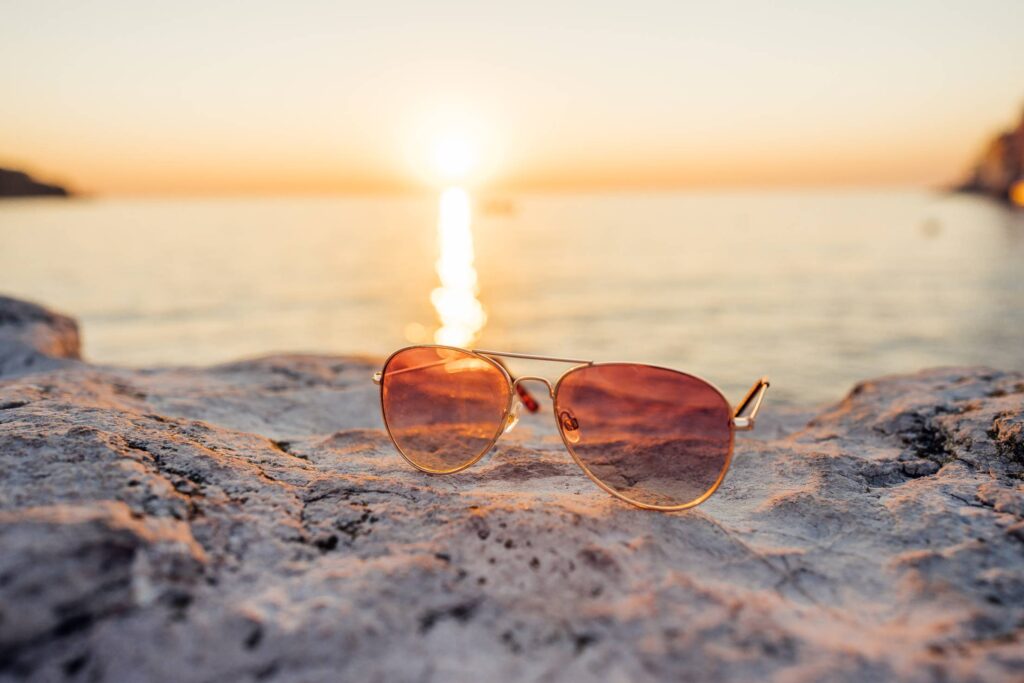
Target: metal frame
column 743, row 416
column 752, row 400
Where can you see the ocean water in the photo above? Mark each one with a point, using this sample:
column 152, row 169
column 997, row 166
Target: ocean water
column 816, row 289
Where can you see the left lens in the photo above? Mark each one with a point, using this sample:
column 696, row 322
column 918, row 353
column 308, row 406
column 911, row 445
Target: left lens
column 444, row 407
column 656, row 437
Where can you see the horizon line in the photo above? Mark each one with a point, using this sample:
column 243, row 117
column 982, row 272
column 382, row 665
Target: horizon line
column 499, row 190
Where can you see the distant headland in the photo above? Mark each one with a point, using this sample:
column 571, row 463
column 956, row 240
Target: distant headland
column 19, row 184
column 1000, row 170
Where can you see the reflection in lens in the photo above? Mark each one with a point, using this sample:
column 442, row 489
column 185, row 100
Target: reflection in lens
column 443, row 407
column 655, row 436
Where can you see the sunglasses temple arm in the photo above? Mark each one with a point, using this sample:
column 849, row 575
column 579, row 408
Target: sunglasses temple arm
column 746, row 411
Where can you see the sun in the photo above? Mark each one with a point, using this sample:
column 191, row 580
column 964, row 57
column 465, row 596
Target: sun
column 455, row 157
column 451, row 145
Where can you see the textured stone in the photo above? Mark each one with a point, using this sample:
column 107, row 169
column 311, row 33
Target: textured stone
column 33, row 338
column 251, row 521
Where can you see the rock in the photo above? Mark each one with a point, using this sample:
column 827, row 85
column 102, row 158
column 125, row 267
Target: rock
column 33, row 338
column 65, row 567
column 999, row 170
column 251, row 521
column 20, row 184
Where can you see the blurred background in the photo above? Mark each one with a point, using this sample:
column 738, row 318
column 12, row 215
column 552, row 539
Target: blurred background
column 733, row 190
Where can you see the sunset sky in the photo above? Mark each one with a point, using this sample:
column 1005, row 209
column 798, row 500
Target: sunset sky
column 221, row 97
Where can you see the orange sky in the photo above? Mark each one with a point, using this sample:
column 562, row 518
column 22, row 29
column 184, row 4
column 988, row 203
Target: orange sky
column 123, row 98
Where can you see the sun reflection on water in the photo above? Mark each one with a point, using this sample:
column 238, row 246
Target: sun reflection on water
column 461, row 314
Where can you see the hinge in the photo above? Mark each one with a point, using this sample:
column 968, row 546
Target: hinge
column 377, row 377
column 743, row 424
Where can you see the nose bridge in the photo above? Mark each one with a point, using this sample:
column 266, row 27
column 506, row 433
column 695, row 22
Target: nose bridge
column 518, row 380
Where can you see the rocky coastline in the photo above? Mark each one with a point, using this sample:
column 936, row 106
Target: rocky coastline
column 250, row 522
column 999, row 171
column 19, row 184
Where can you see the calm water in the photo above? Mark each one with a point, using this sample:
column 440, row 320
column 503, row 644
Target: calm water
column 816, row 289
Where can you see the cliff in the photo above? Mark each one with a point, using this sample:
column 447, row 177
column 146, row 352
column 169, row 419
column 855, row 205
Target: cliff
column 18, row 184
column 999, row 172
column 251, row 522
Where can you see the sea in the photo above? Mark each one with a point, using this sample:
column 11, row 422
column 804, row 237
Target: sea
column 818, row 289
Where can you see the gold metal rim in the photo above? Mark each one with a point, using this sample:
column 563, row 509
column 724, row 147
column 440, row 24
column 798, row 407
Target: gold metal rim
column 647, row 506
column 504, row 415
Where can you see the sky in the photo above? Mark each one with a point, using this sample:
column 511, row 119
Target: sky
column 216, row 97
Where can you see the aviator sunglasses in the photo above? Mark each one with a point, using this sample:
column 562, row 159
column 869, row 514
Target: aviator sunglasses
column 656, row 438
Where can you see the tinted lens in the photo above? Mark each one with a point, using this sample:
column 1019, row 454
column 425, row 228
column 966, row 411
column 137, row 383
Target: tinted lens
column 655, row 436
column 444, row 407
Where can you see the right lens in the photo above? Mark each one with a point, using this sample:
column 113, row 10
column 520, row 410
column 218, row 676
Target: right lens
column 444, row 407
column 655, row 437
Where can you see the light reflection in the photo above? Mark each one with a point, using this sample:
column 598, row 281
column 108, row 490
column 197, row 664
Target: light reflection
column 461, row 314
column 1017, row 193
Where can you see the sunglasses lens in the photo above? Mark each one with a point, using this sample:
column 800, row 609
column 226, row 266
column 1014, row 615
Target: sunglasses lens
column 655, row 436
column 444, row 407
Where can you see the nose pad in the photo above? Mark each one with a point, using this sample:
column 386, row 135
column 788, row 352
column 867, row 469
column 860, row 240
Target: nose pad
column 513, row 418
column 570, row 426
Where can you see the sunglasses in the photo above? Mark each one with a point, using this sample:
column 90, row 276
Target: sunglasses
column 656, row 438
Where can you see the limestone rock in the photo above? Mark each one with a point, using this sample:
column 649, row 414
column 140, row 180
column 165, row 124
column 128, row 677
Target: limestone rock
column 31, row 337
column 251, row 521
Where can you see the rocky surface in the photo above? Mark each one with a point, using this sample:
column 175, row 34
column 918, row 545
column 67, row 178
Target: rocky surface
column 251, row 522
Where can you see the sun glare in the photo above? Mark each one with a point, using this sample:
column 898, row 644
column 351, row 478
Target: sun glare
column 455, row 157
column 447, row 144
column 462, row 316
